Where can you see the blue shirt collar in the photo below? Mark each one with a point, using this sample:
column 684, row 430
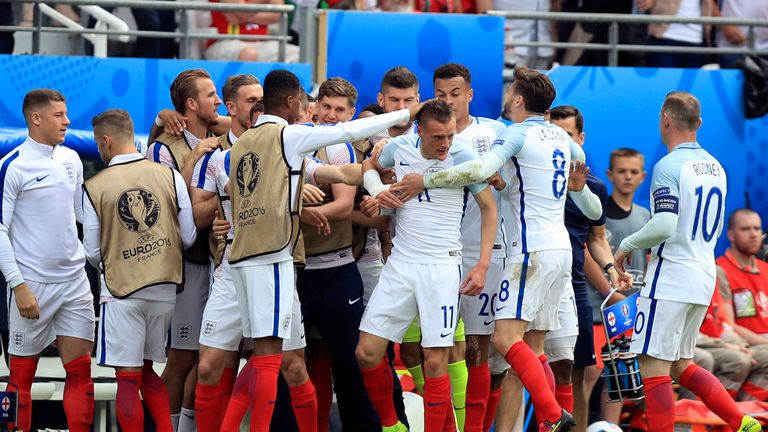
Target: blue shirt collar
column 688, row 145
column 536, row 118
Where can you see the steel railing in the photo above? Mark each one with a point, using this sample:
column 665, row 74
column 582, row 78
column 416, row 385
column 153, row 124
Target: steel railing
column 613, row 20
column 185, row 33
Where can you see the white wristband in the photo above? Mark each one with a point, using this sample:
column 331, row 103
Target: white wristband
column 159, row 122
column 373, row 184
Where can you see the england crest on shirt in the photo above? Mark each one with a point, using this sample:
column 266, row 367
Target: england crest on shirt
column 482, row 144
column 70, row 169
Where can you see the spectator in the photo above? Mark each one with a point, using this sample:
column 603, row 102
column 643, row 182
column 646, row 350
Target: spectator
column 155, row 20
column 731, row 36
column 743, row 370
column 685, row 35
column 525, row 31
column 247, row 23
column 743, row 280
column 6, row 19
column 622, row 218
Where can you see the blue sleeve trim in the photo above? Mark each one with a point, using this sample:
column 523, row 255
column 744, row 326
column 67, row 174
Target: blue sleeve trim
column 156, row 152
column 203, row 169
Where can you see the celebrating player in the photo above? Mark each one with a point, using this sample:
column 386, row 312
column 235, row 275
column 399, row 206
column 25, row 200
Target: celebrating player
column 43, row 261
column 423, row 275
column 137, row 214
column 688, row 191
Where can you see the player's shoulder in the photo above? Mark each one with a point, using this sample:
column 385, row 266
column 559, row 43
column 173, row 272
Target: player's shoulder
column 7, row 161
column 497, row 126
column 407, row 141
column 514, row 132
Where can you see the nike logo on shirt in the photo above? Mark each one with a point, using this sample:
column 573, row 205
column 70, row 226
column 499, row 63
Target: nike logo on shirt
column 404, row 164
column 354, row 301
column 41, row 178
column 442, row 335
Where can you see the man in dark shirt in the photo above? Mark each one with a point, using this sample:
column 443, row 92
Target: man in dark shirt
column 570, row 349
column 6, row 19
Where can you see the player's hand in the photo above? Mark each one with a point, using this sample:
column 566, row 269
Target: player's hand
column 378, row 148
column 204, row 146
column 578, row 176
column 622, row 281
column 312, row 194
column 417, row 108
column 220, row 227
column 619, row 258
column 496, row 181
column 388, row 176
column 175, row 123
column 410, row 186
column 389, row 199
column 314, row 217
column 369, row 206
column 475, row 281
column 26, row 302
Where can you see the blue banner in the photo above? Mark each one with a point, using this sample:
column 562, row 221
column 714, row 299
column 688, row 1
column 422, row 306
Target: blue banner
column 620, row 316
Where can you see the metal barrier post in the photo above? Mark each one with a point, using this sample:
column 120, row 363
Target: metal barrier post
column 751, row 39
column 613, row 41
column 308, row 36
column 38, row 23
column 184, row 27
column 282, row 31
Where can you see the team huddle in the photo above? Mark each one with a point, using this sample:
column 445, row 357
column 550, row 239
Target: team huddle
column 313, row 245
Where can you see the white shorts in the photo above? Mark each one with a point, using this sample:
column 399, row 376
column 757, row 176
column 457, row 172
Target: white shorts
column 132, row 330
column 666, row 329
column 229, row 50
column 407, row 290
column 477, row 311
column 530, row 283
column 66, row 309
column 559, row 344
column 190, row 303
column 266, row 295
column 222, row 327
column 370, row 272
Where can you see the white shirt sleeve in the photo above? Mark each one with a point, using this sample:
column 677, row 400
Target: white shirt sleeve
column 186, row 218
column 10, row 190
column 302, row 139
column 91, row 232
column 475, row 171
column 161, row 154
column 588, row 202
column 661, row 227
column 78, row 197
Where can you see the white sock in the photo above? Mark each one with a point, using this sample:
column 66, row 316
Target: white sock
column 187, row 420
column 175, row 421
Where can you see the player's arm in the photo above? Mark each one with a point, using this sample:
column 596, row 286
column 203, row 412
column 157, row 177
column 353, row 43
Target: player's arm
column 372, row 180
column 475, row 280
column 663, row 223
column 187, row 227
column 586, row 200
column 359, row 217
column 202, row 192
column 25, row 300
column 600, row 252
column 304, row 139
column 91, row 232
column 349, row 174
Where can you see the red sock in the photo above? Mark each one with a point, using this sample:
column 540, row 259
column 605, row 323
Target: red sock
column 304, row 405
column 707, row 388
column 490, row 410
column 659, row 404
column 238, row 403
column 478, row 390
column 753, row 390
column 319, row 370
column 450, row 420
column 130, row 414
column 564, row 396
column 378, row 384
column 22, row 374
column 155, row 396
column 531, row 373
column 548, row 372
column 78, row 394
column 226, row 384
column 207, row 406
column 263, row 390
column 437, row 400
